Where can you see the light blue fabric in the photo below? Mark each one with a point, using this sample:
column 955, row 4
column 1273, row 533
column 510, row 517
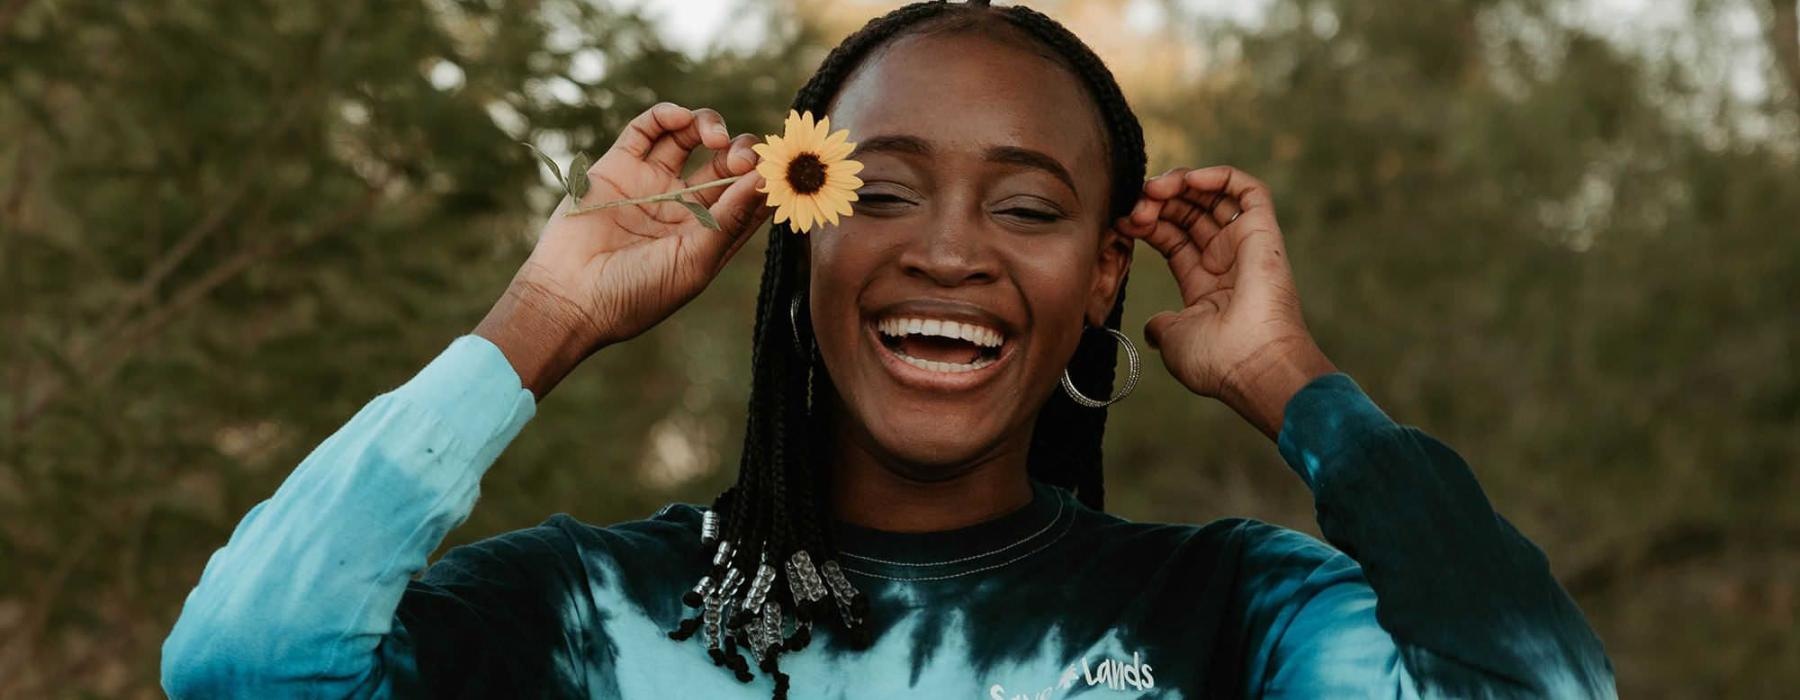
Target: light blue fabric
column 302, row 601
column 297, row 601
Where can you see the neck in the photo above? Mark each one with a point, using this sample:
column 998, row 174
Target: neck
column 885, row 494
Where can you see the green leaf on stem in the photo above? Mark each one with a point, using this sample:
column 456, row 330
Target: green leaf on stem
column 548, row 163
column 700, row 212
column 578, row 177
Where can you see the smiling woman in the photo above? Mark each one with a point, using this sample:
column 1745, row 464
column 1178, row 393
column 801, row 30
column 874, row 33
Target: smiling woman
column 919, row 507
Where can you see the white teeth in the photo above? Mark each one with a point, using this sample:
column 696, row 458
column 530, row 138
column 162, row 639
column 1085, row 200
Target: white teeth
column 947, row 367
column 979, row 335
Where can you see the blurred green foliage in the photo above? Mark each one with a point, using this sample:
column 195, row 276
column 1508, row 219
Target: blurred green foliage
column 224, row 225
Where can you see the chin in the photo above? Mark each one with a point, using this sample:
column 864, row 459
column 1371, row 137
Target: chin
column 933, row 447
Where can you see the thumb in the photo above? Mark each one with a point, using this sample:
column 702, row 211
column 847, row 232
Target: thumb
column 1158, row 326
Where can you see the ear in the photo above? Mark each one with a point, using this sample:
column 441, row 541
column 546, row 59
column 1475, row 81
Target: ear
column 1110, row 266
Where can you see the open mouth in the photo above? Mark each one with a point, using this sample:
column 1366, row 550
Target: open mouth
column 940, row 345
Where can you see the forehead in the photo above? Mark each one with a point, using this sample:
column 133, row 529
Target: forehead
column 970, row 90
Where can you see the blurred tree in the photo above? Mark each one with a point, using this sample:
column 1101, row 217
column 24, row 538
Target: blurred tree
column 225, row 225
column 1507, row 230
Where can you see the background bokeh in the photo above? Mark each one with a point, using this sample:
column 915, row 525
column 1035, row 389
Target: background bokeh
column 1562, row 236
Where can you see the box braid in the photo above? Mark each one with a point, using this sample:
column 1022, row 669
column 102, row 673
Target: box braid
column 773, row 572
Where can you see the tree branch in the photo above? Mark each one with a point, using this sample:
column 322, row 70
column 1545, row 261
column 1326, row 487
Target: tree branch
column 173, row 257
column 117, row 349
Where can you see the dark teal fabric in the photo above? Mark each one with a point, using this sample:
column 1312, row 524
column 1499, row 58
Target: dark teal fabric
column 1423, row 592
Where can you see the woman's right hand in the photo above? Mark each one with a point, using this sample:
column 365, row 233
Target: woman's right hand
column 605, row 276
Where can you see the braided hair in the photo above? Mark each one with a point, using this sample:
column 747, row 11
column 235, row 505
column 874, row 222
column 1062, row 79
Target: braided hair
column 773, row 571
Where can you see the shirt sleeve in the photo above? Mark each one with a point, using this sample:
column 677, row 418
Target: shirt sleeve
column 1433, row 594
column 301, row 600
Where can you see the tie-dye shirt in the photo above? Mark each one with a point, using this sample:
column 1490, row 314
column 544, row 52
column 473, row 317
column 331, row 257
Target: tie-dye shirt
column 1423, row 592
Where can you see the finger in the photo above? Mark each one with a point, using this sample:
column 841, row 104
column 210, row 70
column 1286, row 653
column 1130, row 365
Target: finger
column 670, row 152
column 1174, row 244
column 1168, row 184
column 1192, row 279
column 726, row 162
column 1156, row 190
column 1237, row 204
column 1199, row 221
column 1224, row 210
column 649, row 126
column 1158, row 327
column 1251, row 194
column 740, row 211
column 711, row 124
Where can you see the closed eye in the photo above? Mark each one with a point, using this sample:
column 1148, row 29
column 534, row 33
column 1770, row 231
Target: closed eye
column 880, row 203
column 1031, row 214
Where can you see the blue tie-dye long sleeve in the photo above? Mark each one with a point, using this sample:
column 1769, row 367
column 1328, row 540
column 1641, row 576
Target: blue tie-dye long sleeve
column 1432, row 594
column 300, row 602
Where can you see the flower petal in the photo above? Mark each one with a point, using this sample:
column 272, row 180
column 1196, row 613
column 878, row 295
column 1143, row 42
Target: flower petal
column 772, row 169
column 836, row 148
column 812, row 209
column 797, row 219
column 776, row 148
column 777, row 195
column 844, row 167
column 814, row 217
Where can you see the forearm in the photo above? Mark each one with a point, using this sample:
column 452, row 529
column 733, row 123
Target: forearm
column 305, row 590
column 1454, row 580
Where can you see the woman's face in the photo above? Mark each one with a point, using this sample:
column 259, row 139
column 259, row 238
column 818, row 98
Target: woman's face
column 948, row 306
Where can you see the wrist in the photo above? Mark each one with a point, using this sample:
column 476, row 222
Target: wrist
column 1259, row 389
column 540, row 338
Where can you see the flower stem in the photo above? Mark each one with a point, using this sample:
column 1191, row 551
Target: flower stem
column 664, row 197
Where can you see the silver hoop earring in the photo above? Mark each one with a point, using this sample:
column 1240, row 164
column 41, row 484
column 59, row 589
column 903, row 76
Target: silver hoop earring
column 1133, row 369
column 794, row 323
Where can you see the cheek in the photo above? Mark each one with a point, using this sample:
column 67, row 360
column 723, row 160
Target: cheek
column 842, row 263
column 1055, row 281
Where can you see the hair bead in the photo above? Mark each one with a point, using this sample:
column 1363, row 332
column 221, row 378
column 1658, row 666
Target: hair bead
column 709, row 527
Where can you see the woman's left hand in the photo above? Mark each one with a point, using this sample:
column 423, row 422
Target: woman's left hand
column 1240, row 337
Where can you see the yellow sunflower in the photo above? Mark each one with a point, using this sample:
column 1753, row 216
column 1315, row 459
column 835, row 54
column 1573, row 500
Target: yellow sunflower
column 807, row 173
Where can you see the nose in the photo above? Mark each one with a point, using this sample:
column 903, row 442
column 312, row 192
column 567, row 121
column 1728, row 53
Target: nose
column 951, row 251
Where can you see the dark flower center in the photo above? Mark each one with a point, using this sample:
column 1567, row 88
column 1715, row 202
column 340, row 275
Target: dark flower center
column 806, row 174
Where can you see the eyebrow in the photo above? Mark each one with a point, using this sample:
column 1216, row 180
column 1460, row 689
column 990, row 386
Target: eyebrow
column 1011, row 155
